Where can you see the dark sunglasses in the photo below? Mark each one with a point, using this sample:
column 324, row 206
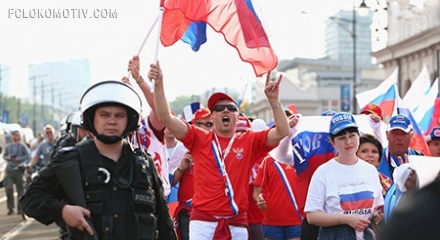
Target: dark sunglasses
column 208, row 124
column 221, row 107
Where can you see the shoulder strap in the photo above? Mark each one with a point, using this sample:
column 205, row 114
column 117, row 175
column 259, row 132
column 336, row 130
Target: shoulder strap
column 287, row 186
column 88, row 158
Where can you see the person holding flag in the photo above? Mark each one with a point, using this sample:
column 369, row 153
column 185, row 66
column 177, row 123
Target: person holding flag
column 222, row 159
column 151, row 133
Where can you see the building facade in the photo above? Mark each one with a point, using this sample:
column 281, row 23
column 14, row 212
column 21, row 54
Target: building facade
column 317, row 85
column 58, row 87
column 413, row 41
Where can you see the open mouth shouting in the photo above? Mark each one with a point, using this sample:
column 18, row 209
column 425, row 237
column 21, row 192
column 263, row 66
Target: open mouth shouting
column 225, row 120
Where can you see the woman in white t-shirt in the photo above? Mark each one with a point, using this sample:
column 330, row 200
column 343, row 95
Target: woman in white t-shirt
column 344, row 193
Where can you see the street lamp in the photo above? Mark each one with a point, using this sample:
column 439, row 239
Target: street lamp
column 34, row 114
column 44, row 87
column 363, row 11
column 58, row 88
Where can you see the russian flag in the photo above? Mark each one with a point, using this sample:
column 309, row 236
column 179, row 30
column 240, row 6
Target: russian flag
column 386, row 101
column 424, row 112
column 235, row 19
column 418, row 141
column 190, row 109
column 195, row 35
column 358, row 200
column 383, row 95
column 418, row 89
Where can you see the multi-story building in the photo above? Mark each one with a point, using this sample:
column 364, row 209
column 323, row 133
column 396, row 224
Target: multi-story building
column 58, row 86
column 316, row 85
column 66, row 80
column 413, row 41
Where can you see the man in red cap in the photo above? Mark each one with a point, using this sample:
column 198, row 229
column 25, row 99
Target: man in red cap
column 375, row 113
column 372, row 109
column 202, row 118
column 222, row 159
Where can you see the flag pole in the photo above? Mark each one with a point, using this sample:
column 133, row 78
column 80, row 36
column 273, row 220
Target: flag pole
column 157, row 44
column 146, row 38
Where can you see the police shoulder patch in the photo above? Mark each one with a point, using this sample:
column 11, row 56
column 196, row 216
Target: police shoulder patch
column 67, row 149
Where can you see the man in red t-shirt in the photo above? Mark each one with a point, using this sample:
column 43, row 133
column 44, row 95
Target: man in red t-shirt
column 222, row 159
column 277, row 176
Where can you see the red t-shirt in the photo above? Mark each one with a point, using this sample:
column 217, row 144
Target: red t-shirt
column 254, row 214
column 209, row 185
column 280, row 210
column 186, row 186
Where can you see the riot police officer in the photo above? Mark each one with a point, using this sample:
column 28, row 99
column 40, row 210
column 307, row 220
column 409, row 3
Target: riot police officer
column 104, row 187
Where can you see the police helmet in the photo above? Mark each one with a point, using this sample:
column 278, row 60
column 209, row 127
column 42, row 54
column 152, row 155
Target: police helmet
column 108, row 93
column 75, row 124
column 68, row 123
column 63, row 125
column 76, row 119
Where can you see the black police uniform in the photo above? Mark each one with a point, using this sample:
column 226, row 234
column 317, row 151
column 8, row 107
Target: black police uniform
column 125, row 198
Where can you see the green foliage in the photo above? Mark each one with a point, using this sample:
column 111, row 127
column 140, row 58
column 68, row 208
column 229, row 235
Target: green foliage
column 16, row 107
column 180, row 102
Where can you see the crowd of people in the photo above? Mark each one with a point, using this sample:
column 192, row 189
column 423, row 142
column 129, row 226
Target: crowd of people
column 213, row 173
column 24, row 159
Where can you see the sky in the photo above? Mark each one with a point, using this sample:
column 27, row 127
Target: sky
column 295, row 29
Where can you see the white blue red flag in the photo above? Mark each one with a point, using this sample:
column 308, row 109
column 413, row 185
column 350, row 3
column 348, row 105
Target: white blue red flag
column 235, row 19
column 418, row 141
column 418, row 89
column 424, row 112
column 383, row 95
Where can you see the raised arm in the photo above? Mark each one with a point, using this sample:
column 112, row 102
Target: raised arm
column 281, row 129
column 283, row 152
column 178, row 128
column 134, row 68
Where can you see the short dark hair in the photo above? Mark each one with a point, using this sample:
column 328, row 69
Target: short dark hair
column 368, row 138
column 343, row 132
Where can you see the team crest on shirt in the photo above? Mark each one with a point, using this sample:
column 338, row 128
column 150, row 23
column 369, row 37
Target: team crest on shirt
column 238, row 152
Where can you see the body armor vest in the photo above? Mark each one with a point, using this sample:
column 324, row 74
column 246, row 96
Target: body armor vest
column 119, row 195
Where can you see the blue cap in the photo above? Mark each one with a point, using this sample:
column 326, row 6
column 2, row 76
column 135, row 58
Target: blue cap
column 328, row 113
column 341, row 121
column 401, row 122
column 434, row 135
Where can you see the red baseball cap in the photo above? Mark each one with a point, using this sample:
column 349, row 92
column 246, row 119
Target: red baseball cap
column 373, row 109
column 215, row 97
column 200, row 113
